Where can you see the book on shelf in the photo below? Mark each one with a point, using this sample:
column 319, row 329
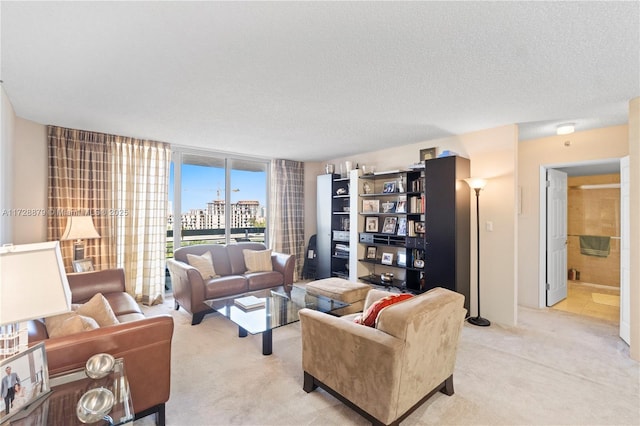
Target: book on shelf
column 249, row 302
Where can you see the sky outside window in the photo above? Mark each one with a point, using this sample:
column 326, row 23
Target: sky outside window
column 200, row 185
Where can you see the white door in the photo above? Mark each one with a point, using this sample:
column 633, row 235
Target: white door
column 625, row 253
column 556, row 236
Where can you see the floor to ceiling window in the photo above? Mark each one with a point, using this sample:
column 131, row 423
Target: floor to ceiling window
column 216, row 200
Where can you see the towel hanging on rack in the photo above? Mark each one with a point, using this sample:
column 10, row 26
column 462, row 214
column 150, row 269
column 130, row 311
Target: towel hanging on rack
column 592, row 245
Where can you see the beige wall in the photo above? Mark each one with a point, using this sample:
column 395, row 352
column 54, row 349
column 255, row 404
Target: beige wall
column 30, row 149
column 598, row 144
column 7, row 117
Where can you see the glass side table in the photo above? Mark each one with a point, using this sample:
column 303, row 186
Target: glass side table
column 59, row 407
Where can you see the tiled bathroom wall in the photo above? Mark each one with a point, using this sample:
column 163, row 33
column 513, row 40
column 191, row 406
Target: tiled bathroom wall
column 594, row 212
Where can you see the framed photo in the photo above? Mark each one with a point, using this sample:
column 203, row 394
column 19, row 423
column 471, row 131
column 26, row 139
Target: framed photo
column 402, row 226
column 29, row 378
column 370, row 206
column 83, row 265
column 389, row 226
column 389, row 207
column 401, row 207
column 389, row 187
column 427, row 154
column 402, row 258
column 420, row 227
column 371, row 252
column 371, row 224
column 387, row 259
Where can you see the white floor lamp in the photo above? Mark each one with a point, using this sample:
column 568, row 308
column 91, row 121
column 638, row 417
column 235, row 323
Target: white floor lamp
column 477, row 184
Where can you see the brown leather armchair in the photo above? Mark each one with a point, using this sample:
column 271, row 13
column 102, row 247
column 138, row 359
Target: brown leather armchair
column 143, row 342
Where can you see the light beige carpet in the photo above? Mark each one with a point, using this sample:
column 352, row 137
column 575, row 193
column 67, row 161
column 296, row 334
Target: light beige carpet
column 555, row 368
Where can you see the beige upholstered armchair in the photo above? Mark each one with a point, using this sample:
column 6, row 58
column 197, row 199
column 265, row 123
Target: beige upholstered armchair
column 387, row 371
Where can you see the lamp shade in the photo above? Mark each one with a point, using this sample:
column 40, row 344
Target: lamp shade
column 33, row 282
column 79, row 228
column 476, row 183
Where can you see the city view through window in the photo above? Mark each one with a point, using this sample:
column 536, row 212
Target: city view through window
column 203, row 205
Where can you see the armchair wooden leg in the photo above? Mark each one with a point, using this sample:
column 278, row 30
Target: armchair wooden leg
column 309, row 383
column 447, row 389
column 160, row 416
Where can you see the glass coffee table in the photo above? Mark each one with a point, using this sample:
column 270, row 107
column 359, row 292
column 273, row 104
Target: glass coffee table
column 280, row 308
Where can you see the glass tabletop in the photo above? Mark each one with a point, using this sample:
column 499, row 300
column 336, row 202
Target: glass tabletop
column 280, row 308
column 59, row 407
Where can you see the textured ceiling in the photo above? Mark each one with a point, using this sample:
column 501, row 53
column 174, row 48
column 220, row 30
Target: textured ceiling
column 317, row 80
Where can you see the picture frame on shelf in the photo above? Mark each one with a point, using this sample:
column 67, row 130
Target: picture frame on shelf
column 387, row 259
column 30, row 367
column 389, row 187
column 389, row 226
column 428, row 153
column 402, row 258
column 401, row 206
column 372, row 252
column 402, row 226
column 389, row 207
column 83, row 265
column 420, row 228
column 371, row 224
column 370, row 206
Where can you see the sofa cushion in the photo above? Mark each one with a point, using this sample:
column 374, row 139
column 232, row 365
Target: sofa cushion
column 257, row 260
column 260, row 280
column 224, row 286
column 99, row 309
column 204, row 265
column 369, row 317
column 124, row 306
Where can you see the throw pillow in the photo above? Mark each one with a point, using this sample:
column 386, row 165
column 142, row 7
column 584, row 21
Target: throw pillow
column 257, row 260
column 74, row 323
column 99, row 309
column 54, row 322
column 204, row 265
column 369, row 317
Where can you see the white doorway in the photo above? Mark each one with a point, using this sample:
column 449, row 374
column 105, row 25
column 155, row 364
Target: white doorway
column 547, row 267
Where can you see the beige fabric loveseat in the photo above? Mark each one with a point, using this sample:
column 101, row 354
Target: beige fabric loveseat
column 385, row 372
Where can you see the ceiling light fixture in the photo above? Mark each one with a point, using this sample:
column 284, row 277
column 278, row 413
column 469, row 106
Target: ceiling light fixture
column 565, row 129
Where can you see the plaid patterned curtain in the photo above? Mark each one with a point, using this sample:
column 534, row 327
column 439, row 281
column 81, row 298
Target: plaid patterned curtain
column 286, row 215
column 80, row 184
column 123, row 184
column 140, row 174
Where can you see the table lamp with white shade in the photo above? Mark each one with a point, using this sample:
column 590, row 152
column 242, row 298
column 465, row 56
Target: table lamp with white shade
column 79, row 228
column 33, row 284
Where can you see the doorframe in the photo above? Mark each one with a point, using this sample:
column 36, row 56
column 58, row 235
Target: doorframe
column 542, row 273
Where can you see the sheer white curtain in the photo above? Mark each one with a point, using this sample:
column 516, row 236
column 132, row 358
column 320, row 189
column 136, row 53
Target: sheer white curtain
column 140, row 172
